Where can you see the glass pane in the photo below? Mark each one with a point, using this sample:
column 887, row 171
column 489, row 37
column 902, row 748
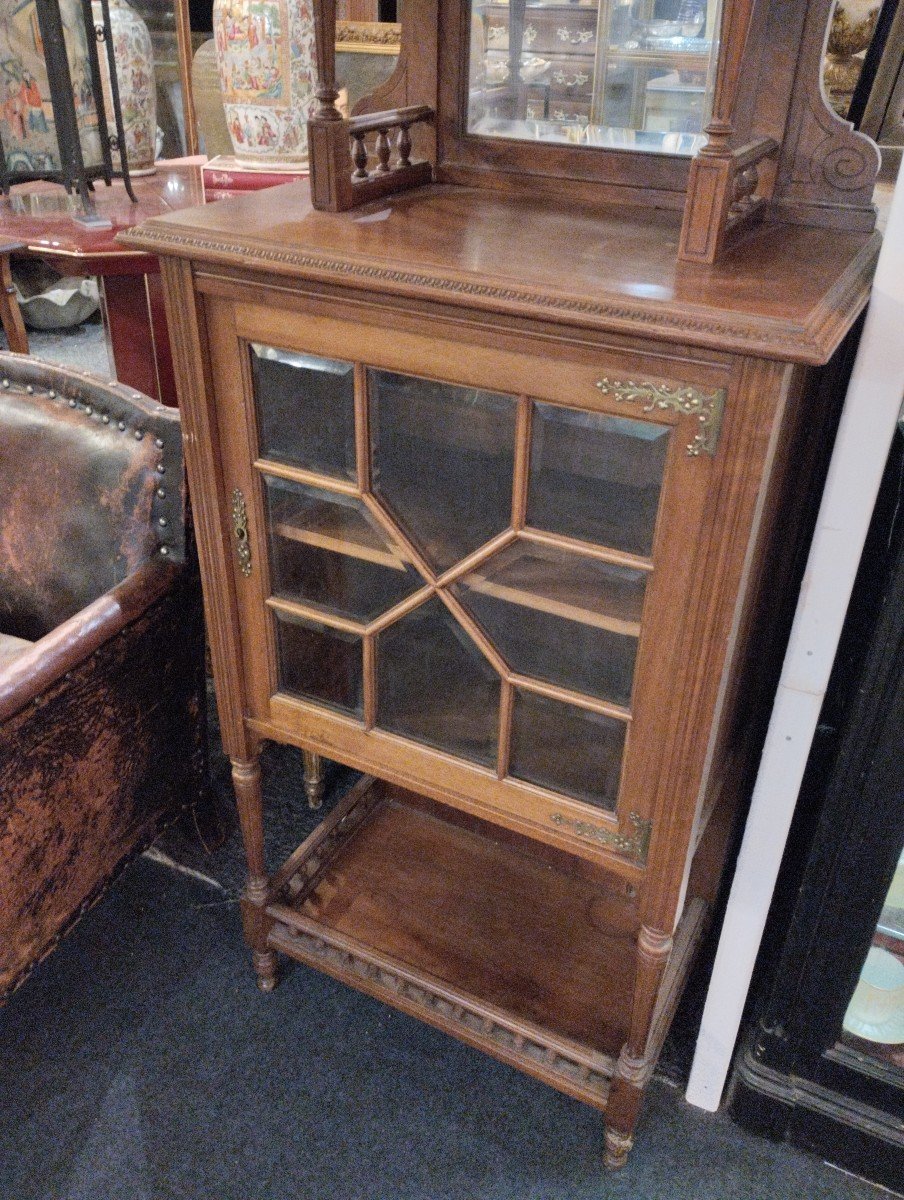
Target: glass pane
column 559, row 616
column 874, row 1021
column 435, row 686
column 629, row 74
column 305, row 410
column 328, row 551
column 442, row 462
column 567, row 749
column 595, row 477
column 318, row 663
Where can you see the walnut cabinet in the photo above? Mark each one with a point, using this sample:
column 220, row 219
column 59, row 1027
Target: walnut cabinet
column 497, row 503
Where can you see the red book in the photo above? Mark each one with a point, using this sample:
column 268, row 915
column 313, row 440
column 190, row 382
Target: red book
column 212, row 194
column 225, row 173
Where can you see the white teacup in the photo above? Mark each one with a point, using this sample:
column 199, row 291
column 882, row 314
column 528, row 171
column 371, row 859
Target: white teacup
column 879, row 994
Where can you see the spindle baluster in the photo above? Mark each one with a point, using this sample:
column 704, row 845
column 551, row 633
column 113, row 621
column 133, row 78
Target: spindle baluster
column 359, row 157
column 383, row 151
column 403, row 145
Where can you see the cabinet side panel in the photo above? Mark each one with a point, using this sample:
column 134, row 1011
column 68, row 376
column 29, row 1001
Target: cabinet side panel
column 718, row 577
column 191, row 358
column 789, row 513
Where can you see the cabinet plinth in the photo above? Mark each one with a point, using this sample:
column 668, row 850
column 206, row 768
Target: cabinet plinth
column 518, row 541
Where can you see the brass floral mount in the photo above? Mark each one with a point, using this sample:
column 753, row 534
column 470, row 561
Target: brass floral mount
column 635, row 845
column 240, row 529
column 707, row 407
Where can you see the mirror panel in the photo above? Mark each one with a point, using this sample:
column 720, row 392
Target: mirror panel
column 622, row 74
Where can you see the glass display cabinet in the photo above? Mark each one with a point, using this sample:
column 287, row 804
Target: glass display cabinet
column 822, row 1060
column 502, row 437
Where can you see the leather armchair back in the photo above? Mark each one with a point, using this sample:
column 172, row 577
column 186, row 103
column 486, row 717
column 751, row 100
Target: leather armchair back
column 90, row 488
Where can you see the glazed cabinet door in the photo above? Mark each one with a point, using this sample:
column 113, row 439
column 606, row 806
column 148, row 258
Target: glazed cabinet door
column 464, row 569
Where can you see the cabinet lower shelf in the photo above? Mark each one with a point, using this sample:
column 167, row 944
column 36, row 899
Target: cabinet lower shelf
column 529, row 958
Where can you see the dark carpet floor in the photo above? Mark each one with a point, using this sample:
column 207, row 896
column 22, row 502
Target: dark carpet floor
column 141, row 1063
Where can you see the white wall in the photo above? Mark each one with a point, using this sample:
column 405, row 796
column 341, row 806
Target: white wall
column 870, row 411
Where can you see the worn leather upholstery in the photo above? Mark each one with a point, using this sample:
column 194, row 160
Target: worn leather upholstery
column 101, row 646
column 78, row 495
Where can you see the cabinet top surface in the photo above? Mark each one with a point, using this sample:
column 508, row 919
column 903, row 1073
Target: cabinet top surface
column 788, row 292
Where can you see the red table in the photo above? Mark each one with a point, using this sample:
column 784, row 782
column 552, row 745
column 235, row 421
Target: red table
column 131, row 295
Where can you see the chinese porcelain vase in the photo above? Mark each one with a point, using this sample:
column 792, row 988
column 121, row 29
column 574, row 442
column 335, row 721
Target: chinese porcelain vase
column 265, row 55
column 26, row 114
column 851, row 31
column 134, row 57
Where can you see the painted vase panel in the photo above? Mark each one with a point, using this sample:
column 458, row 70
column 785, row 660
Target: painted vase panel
column 265, row 56
column 134, row 57
column 26, row 113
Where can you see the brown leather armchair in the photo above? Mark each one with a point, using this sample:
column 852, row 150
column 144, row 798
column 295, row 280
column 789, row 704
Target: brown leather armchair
column 101, row 646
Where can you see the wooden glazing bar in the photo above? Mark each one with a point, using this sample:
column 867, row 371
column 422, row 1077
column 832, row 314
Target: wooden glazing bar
column 398, row 538
column 327, row 483
column 402, row 609
column 619, row 558
column 521, row 474
column 369, row 647
column 506, row 706
column 362, row 427
column 309, row 613
column 578, row 699
column 483, row 643
column 487, row 550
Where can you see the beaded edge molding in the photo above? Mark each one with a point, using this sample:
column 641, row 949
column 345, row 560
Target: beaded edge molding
column 587, row 1073
column 812, row 342
column 707, row 407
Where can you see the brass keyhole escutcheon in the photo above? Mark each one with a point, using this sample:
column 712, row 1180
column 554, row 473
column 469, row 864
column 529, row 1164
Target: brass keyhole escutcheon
column 240, row 529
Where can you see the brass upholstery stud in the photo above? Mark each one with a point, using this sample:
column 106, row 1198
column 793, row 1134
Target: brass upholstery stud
column 121, row 425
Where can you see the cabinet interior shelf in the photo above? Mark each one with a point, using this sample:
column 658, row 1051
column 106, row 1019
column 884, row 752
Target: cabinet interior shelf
column 324, row 533
column 571, row 594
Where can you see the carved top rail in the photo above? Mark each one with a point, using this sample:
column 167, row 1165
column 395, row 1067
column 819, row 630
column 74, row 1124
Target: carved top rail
column 774, row 150
column 391, row 119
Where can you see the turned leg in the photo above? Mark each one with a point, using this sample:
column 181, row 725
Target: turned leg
column 637, row 1059
column 246, row 779
column 313, row 778
column 617, row 1147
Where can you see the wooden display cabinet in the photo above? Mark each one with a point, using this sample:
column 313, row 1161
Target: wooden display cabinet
column 497, row 501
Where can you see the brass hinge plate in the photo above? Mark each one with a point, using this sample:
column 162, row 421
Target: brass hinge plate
column 635, row 845
column 707, row 407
